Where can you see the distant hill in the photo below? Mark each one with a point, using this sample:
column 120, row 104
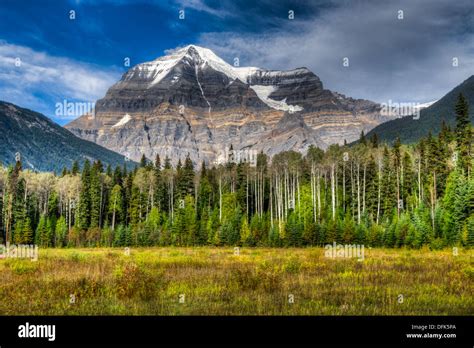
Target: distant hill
column 410, row 130
column 43, row 144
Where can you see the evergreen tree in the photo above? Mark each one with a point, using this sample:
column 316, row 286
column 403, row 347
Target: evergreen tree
column 348, row 229
column 190, row 221
column 61, row 232
column 75, row 168
column 463, row 133
column 186, row 178
column 27, row 232
column 362, row 139
column 42, row 233
column 374, row 140
column 455, row 207
column 143, row 161
column 95, row 197
column 84, row 209
column 470, row 232
column 294, row 230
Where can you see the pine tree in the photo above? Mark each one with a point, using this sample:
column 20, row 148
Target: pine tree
column 50, row 230
column 348, row 229
column 61, row 232
column 372, row 187
column 204, row 192
column 135, row 206
column 75, row 168
column 244, row 232
column 42, row 234
column 470, row 232
column 455, row 207
column 374, row 140
column 445, row 133
column 83, row 212
column 190, row 221
column 164, row 190
column 178, row 236
column 185, row 178
column 27, row 232
column 231, row 218
column 95, row 198
column 362, row 139
column 463, row 133
column 143, row 161
column 117, row 176
column 157, row 178
column 19, row 209
column 293, row 230
column 18, row 232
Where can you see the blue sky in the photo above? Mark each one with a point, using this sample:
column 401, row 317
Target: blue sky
column 77, row 60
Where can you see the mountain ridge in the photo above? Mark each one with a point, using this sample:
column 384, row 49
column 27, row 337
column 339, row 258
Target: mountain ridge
column 410, row 130
column 193, row 101
column 43, row 144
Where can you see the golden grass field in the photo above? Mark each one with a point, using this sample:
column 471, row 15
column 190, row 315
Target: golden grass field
column 259, row 281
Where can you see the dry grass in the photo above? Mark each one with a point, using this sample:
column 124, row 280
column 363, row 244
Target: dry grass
column 259, row 281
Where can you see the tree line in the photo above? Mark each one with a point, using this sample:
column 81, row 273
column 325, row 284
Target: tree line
column 367, row 193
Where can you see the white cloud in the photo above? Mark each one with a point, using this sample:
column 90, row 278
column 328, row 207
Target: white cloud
column 200, row 5
column 42, row 80
column 405, row 60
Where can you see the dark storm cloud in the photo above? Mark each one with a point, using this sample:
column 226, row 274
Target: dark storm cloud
column 409, row 59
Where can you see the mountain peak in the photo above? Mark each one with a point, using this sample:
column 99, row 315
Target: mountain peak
column 191, row 51
column 202, row 51
column 198, row 58
column 192, row 101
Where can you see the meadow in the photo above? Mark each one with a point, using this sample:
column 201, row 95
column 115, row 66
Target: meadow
column 252, row 281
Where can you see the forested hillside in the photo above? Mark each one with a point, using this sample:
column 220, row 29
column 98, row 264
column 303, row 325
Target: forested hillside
column 416, row 195
column 411, row 130
column 42, row 144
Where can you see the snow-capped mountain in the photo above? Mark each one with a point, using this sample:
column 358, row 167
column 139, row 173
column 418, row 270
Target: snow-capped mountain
column 193, row 55
column 192, row 101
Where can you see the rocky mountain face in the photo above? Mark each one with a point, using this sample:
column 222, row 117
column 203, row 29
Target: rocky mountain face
column 42, row 144
column 191, row 101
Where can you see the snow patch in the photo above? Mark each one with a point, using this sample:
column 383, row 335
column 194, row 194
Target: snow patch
column 263, row 92
column 425, row 105
column 219, row 64
column 122, row 121
column 175, row 79
column 196, row 70
column 158, row 69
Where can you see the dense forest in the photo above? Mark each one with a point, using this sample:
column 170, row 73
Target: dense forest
column 368, row 193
